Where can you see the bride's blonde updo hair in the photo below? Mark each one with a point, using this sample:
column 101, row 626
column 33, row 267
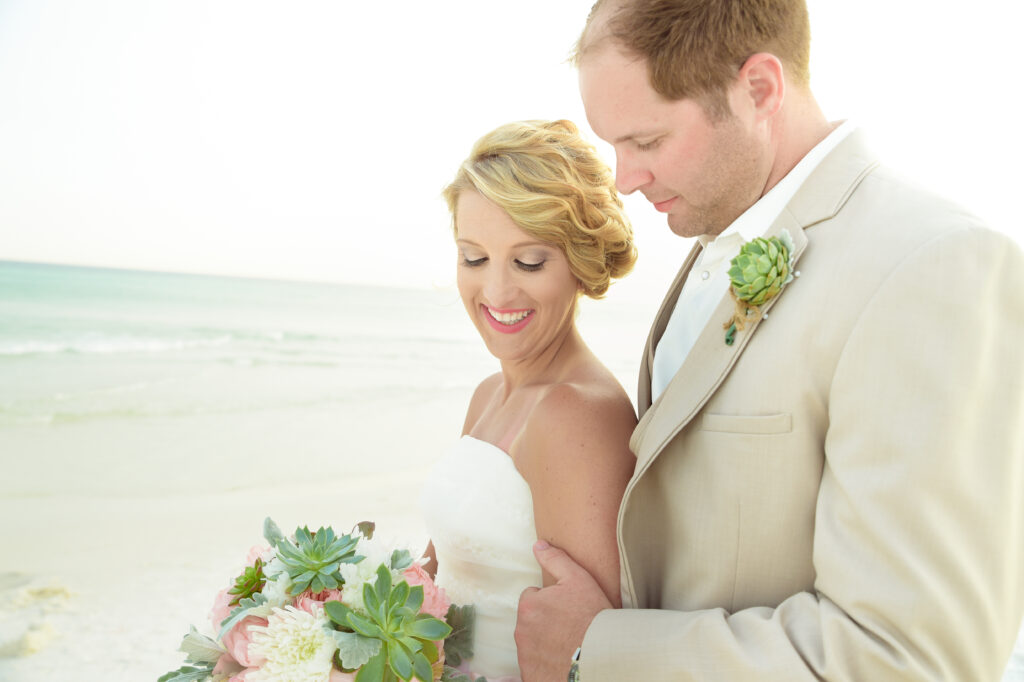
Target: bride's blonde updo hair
column 554, row 187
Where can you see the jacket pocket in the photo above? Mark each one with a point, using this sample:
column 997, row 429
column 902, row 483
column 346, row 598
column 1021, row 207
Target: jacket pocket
column 758, row 425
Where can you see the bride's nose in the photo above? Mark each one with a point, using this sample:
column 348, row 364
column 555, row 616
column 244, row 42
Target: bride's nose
column 500, row 288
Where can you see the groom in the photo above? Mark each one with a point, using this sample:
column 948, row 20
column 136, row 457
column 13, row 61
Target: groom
column 836, row 492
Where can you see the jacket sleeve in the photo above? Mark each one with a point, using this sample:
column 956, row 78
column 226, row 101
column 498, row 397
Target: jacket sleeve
column 919, row 524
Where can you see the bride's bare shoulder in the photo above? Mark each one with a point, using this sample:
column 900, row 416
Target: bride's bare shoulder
column 590, row 390
column 590, row 413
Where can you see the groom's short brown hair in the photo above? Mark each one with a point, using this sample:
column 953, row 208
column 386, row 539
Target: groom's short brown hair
column 695, row 48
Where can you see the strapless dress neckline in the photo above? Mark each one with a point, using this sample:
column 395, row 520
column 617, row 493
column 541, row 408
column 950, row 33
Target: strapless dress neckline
column 478, row 511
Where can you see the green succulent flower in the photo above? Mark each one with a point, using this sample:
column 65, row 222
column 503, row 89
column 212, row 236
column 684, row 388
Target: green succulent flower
column 393, row 640
column 313, row 560
column 248, row 583
column 760, row 270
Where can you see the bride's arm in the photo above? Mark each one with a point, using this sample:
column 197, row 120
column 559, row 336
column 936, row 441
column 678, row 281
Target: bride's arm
column 574, row 453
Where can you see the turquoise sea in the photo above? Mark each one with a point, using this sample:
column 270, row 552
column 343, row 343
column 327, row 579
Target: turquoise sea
column 80, row 344
column 147, row 376
column 160, row 372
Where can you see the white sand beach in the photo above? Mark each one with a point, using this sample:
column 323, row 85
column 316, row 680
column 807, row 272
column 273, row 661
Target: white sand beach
column 102, row 574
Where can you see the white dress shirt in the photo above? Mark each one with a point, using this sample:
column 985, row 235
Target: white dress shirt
column 708, row 280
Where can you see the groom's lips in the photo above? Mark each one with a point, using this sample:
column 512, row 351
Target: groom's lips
column 664, row 206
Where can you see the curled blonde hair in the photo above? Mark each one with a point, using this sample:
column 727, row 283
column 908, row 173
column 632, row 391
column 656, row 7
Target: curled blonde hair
column 554, row 186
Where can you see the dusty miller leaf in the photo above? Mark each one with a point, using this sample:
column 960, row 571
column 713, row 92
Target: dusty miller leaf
column 188, row 673
column 272, row 533
column 401, row 559
column 199, row 648
column 355, row 650
column 256, row 606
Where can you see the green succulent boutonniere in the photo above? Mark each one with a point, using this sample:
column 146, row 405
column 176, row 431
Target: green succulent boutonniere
column 758, row 273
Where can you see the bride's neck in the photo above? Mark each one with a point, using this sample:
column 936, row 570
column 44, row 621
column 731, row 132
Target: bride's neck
column 548, row 366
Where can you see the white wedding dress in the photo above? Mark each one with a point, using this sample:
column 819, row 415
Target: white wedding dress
column 479, row 514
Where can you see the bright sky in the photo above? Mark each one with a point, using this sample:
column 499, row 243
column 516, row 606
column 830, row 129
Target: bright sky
column 311, row 139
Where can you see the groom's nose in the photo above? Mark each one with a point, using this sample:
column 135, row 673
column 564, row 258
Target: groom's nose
column 629, row 174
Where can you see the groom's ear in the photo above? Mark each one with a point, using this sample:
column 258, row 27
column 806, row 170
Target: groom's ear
column 761, row 84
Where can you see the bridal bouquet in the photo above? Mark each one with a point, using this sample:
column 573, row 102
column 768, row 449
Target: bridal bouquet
column 323, row 607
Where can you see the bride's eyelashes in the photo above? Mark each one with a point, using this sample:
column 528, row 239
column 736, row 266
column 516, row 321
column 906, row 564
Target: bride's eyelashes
column 522, row 265
column 529, row 267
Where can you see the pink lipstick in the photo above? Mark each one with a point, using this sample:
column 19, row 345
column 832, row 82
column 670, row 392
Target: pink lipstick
column 502, row 327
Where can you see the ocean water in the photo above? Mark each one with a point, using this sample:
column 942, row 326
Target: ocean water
column 122, row 379
column 80, row 344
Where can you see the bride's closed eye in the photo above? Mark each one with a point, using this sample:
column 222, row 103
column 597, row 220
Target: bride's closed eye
column 529, row 267
column 525, row 266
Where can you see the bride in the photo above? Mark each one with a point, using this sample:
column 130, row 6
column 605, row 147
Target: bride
column 544, row 452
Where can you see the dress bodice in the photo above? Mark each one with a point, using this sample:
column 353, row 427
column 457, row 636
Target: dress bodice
column 479, row 513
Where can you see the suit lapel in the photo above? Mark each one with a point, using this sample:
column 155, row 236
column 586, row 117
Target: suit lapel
column 709, row 362
column 658, row 328
column 706, row 366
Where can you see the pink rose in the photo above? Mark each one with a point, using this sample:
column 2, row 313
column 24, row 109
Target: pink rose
column 221, row 609
column 338, row 676
column 230, row 668
column 312, row 603
column 255, row 552
column 435, row 601
column 237, row 639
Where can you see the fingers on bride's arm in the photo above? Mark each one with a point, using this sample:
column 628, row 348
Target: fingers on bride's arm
column 575, row 455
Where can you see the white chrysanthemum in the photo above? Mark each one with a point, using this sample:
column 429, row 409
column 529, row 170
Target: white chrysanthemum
column 276, row 590
column 274, row 566
column 357, row 575
column 298, row 647
column 268, row 555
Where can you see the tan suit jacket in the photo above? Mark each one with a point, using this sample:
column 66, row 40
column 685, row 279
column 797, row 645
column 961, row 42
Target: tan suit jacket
column 840, row 494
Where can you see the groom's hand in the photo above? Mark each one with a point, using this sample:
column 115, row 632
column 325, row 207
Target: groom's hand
column 553, row 620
